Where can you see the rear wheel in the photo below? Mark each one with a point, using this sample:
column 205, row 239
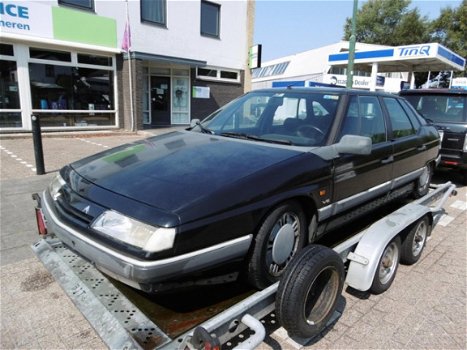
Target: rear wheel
column 387, row 267
column 280, row 237
column 422, row 184
column 309, row 290
column 415, row 241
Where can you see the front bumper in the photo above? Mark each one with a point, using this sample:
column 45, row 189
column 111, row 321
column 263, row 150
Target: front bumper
column 134, row 272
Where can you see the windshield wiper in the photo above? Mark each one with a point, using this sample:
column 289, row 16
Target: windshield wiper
column 202, row 128
column 244, row 136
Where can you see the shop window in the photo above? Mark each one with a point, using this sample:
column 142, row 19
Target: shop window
column 62, row 95
column 153, row 11
column 6, row 50
column 210, row 19
column 50, row 55
column 82, row 4
column 95, row 60
column 9, row 96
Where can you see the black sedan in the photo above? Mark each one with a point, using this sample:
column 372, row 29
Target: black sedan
column 243, row 190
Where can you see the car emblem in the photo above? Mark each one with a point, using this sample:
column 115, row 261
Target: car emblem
column 86, row 210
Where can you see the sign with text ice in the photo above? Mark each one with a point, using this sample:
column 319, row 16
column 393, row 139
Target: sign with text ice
column 26, row 18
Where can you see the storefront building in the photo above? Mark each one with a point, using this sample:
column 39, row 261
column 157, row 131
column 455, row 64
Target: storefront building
column 96, row 64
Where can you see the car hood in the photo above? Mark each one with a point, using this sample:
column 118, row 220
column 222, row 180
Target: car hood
column 174, row 170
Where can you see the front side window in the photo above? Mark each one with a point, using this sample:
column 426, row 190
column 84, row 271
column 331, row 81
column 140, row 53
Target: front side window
column 364, row 117
column 153, row 11
column 82, row 4
column 400, row 121
column 210, row 19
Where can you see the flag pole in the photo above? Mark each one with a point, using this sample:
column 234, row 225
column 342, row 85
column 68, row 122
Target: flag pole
column 130, row 75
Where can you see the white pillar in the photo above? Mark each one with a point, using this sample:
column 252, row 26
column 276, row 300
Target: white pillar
column 374, row 73
column 412, row 80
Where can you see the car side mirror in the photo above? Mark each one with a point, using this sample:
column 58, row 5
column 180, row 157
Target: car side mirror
column 354, row 144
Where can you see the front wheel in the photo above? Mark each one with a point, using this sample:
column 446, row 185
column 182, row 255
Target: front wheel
column 280, row 237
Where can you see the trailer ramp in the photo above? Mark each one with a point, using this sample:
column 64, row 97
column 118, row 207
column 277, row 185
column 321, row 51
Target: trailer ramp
column 117, row 321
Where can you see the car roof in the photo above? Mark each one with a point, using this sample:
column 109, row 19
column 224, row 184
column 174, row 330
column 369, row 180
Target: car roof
column 325, row 90
column 434, row 92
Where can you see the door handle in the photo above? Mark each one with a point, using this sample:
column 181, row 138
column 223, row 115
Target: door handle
column 421, row 148
column 388, row 160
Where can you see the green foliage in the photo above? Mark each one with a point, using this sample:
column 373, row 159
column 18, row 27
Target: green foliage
column 388, row 22
column 450, row 29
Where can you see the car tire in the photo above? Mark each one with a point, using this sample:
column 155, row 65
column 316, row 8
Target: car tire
column 422, row 184
column 280, row 236
column 308, row 293
column 387, row 267
column 414, row 242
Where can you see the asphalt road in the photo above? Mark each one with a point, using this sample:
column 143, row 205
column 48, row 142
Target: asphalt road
column 424, row 309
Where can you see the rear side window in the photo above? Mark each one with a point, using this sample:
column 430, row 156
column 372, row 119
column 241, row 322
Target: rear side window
column 414, row 118
column 400, row 121
column 364, row 117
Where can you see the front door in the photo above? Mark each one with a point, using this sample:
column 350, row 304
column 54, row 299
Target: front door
column 160, row 101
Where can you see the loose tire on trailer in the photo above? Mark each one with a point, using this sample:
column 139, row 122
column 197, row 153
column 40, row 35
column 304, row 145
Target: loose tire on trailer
column 414, row 242
column 387, row 267
column 309, row 290
column 279, row 238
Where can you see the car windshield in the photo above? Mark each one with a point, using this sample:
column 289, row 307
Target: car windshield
column 289, row 118
column 439, row 108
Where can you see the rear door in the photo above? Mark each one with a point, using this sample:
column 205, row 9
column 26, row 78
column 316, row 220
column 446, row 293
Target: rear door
column 358, row 178
column 410, row 151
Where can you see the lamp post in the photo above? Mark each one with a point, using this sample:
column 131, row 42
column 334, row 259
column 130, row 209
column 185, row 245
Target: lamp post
column 352, row 47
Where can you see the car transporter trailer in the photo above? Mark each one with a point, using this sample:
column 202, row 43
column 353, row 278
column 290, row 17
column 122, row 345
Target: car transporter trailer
column 304, row 300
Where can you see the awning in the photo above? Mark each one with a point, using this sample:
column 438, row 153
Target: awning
column 409, row 58
column 165, row 59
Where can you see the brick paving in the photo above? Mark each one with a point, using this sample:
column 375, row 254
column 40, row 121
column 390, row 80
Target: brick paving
column 424, row 309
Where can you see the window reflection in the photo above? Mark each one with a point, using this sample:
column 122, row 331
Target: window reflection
column 9, row 94
column 70, row 88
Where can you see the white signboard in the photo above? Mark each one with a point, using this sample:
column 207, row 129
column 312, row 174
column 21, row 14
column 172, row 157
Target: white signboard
column 201, row 92
column 26, row 18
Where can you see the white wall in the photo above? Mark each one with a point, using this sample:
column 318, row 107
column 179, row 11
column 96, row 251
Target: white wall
column 182, row 36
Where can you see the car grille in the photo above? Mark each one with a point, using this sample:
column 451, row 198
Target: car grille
column 74, row 208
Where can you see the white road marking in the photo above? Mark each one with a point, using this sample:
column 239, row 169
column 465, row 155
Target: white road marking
column 445, row 220
column 461, row 205
column 14, row 156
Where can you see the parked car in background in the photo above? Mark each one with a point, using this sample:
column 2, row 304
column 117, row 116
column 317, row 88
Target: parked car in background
column 446, row 109
column 246, row 188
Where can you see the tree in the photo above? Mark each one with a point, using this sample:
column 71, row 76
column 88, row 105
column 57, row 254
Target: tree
column 389, row 22
column 450, row 29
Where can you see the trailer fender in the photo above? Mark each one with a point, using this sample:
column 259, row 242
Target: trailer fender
column 364, row 259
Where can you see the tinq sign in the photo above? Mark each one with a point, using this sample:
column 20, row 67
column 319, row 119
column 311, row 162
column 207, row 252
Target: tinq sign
column 418, row 50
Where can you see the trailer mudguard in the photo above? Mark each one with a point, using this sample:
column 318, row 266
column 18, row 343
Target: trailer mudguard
column 365, row 258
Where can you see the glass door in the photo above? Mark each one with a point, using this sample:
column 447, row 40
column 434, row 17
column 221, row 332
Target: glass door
column 160, row 101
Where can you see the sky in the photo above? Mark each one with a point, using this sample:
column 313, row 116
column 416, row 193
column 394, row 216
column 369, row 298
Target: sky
column 287, row 27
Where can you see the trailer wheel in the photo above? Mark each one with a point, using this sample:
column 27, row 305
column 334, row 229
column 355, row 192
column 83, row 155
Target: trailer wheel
column 387, row 267
column 309, row 290
column 415, row 241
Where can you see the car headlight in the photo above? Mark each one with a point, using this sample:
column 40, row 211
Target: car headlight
column 55, row 186
column 149, row 238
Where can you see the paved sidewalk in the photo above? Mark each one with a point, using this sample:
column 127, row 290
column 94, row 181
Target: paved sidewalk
column 424, row 309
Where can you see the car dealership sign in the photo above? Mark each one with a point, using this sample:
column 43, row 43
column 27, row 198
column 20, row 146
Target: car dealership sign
column 26, row 18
